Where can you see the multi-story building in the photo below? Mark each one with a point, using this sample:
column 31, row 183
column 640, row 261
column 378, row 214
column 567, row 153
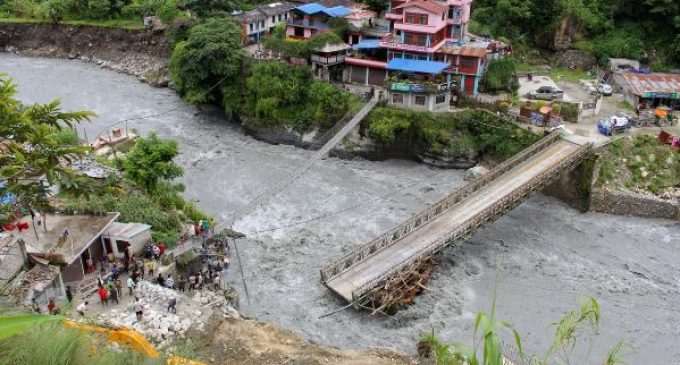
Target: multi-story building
column 307, row 20
column 262, row 20
column 426, row 54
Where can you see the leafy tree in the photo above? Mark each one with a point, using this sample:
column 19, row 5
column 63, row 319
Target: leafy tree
column 280, row 94
column 32, row 154
column 150, row 162
column 55, row 10
column 207, row 66
column 377, row 5
column 204, row 8
column 500, row 76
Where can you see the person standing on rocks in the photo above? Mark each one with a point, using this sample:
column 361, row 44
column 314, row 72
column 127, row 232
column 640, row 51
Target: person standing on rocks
column 217, row 281
column 113, row 292
column 131, row 285
column 82, row 308
column 192, row 282
column 139, row 309
column 172, row 306
column 199, row 281
column 69, row 294
column 119, row 286
column 160, row 280
column 103, row 296
column 181, row 283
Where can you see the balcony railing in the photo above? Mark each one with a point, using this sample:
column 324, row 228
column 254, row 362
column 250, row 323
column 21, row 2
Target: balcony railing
column 417, row 87
column 390, row 41
column 328, row 60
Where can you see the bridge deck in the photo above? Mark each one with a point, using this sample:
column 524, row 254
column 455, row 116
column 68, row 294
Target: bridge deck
column 381, row 262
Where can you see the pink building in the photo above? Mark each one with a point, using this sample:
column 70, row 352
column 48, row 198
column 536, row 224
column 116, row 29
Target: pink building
column 426, row 54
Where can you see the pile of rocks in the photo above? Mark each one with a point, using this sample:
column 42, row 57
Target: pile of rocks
column 161, row 326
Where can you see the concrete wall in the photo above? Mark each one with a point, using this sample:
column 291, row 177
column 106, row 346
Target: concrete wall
column 628, row 203
column 409, row 102
column 73, row 272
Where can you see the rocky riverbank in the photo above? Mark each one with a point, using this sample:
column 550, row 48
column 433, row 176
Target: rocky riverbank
column 140, row 53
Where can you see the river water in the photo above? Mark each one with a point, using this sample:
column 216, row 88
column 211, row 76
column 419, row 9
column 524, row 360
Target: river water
column 540, row 259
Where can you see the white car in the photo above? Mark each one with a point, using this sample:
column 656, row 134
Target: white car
column 605, row 89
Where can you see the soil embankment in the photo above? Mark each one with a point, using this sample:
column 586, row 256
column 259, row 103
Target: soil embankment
column 141, row 53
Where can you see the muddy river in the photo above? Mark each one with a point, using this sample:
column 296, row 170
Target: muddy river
column 541, row 258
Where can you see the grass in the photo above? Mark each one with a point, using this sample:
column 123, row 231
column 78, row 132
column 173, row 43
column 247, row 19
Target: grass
column 640, row 163
column 625, row 105
column 14, row 325
column 130, row 24
column 52, row 344
column 567, row 74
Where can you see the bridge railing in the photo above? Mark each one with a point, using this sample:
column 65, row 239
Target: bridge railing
column 388, row 238
column 487, row 215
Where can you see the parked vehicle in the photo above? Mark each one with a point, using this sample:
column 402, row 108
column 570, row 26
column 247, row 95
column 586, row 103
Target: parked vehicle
column 614, row 125
column 547, row 93
column 605, row 89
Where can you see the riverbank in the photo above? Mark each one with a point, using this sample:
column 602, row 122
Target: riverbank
column 136, row 52
column 542, row 250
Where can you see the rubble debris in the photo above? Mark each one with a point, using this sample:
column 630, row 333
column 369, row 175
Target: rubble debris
column 194, row 311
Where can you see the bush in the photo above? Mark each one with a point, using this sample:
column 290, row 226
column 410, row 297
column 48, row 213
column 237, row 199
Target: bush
column 54, row 10
column 98, row 9
column 466, row 134
column 500, row 76
column 278, row 94
column 66, row 136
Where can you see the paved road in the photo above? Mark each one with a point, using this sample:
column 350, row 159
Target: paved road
column 380, row 263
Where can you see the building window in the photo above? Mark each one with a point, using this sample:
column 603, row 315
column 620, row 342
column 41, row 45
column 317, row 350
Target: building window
column 415, row 39
column 262, row 24
column 251, row 27
column 397, row 99
column 420, row 100
column 416, row 18
column 280, row 17
column 440, row 99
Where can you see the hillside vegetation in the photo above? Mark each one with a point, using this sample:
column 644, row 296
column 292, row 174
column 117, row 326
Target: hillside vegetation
column 640, row 29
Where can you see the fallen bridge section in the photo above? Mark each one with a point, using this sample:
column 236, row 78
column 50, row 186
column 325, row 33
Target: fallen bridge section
column 367, row 268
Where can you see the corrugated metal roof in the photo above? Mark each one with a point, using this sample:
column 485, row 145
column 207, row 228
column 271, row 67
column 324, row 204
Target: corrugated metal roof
column 652, row 83
column 315, row 8
column 429, row 67
column 312, row 8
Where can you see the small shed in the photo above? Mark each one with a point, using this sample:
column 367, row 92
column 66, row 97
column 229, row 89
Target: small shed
column 124, row 235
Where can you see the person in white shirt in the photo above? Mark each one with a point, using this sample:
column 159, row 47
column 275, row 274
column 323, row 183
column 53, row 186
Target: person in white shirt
column 81, row 308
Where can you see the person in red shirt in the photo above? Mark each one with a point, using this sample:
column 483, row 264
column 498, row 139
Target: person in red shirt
column 103, row 296
column 161, row 247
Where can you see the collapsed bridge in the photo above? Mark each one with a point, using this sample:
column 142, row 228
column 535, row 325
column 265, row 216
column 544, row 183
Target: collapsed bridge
column 383, row 264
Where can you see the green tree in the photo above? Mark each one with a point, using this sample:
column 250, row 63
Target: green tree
column 204, row 8
column 207, row 67
column 55, row 10
column 150, row 162
column 33, row 158
column 500, row 76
